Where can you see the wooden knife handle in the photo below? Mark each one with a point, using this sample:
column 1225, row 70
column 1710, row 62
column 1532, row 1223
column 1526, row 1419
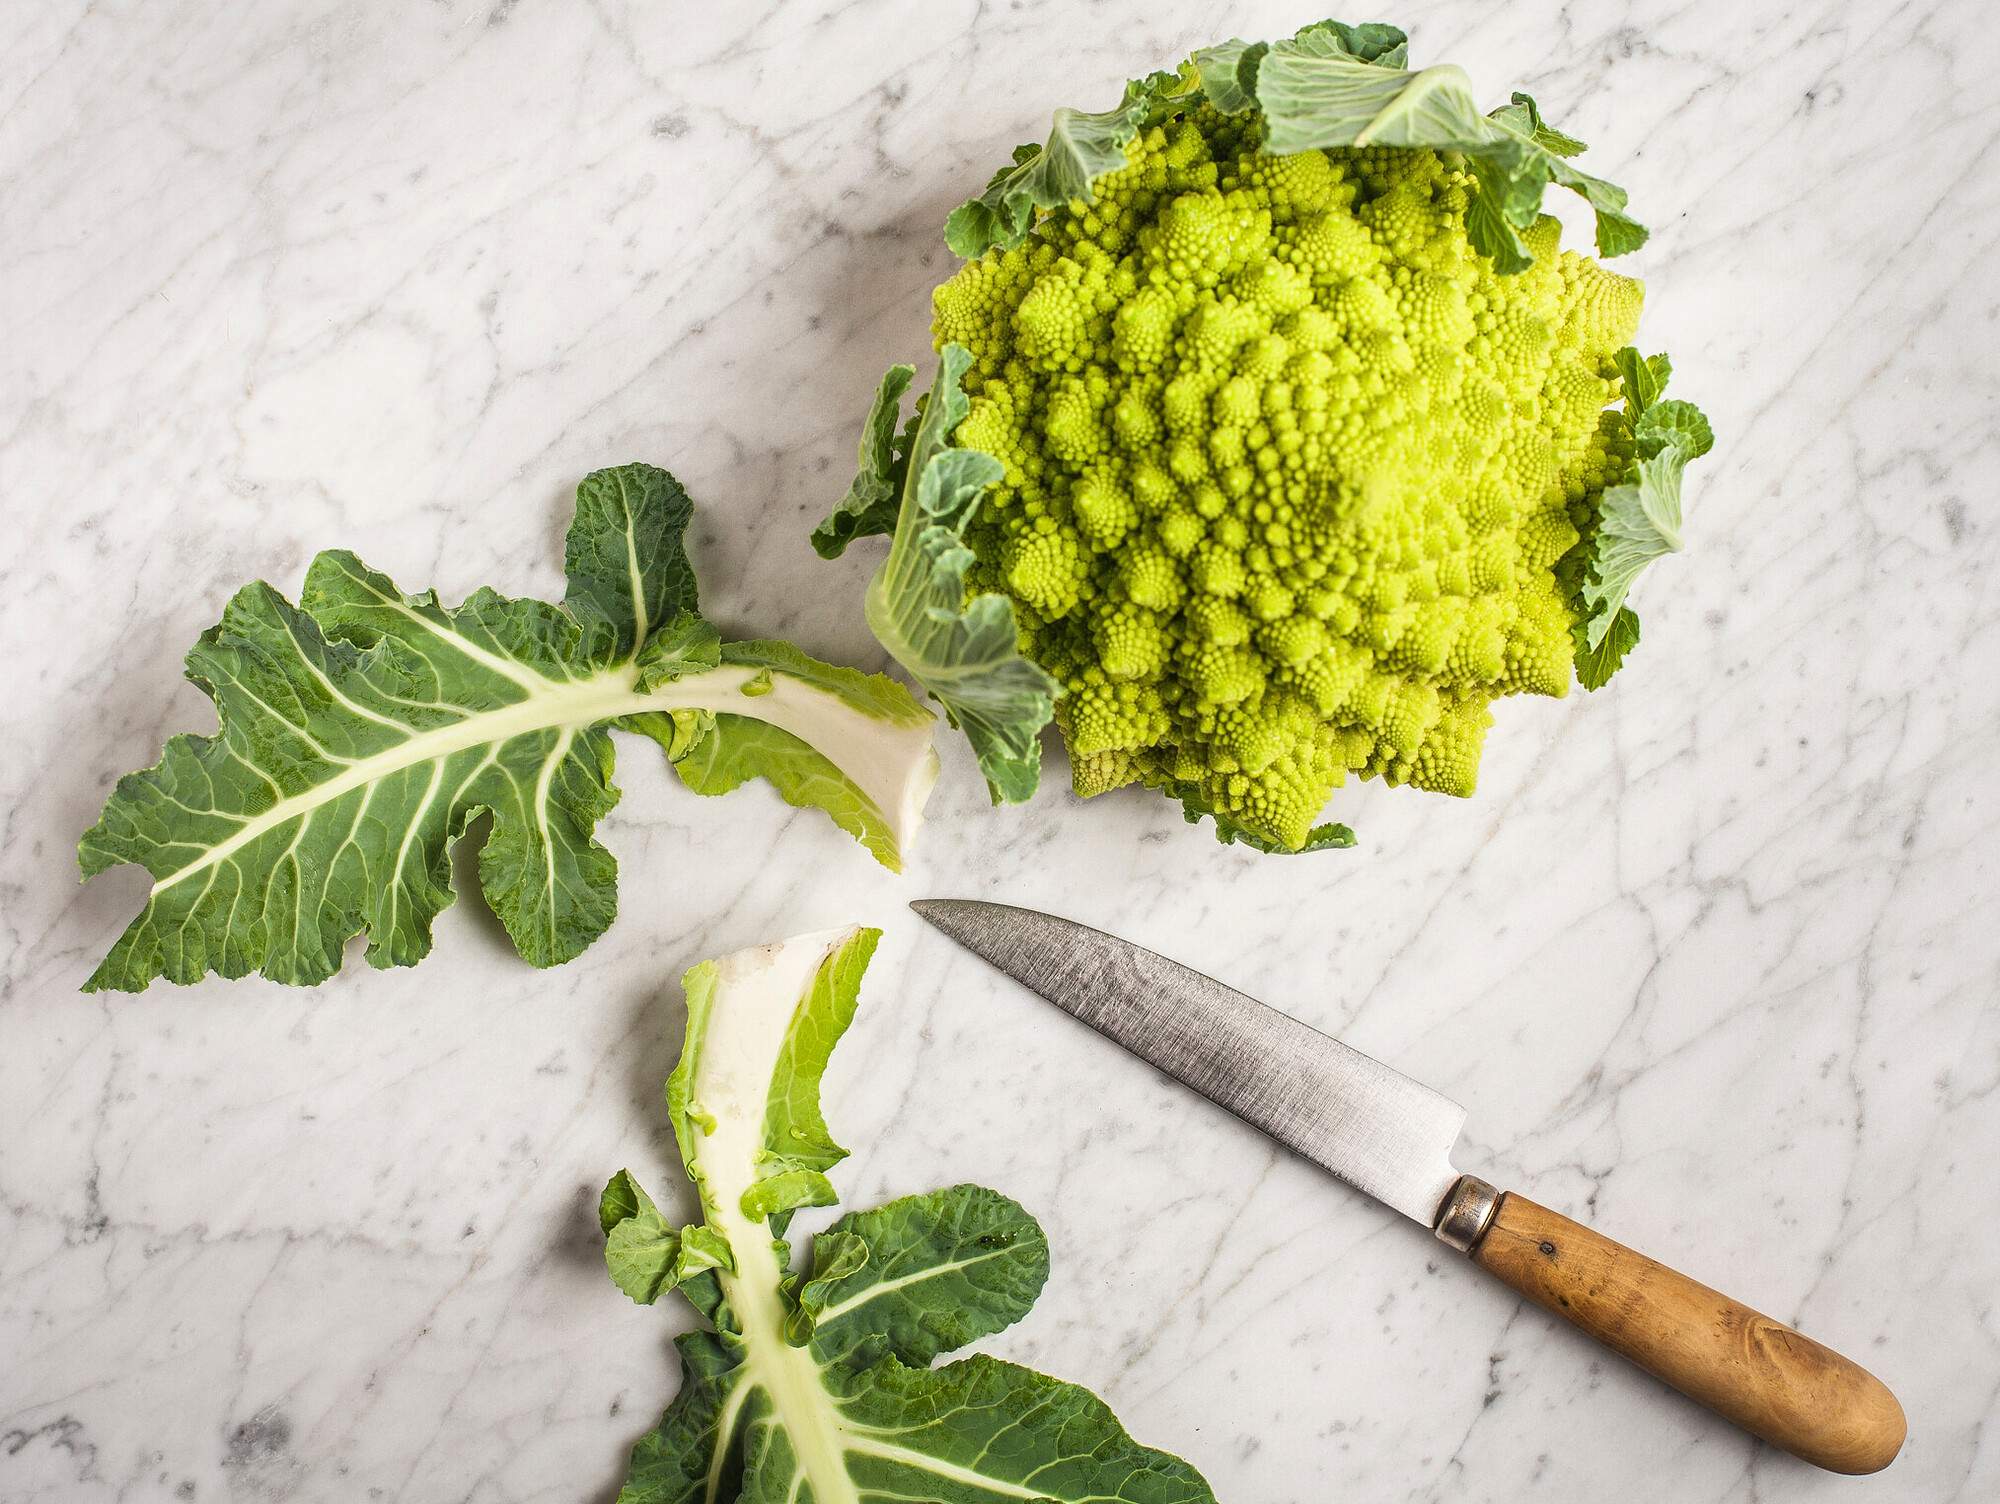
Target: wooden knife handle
column 1772, row 1381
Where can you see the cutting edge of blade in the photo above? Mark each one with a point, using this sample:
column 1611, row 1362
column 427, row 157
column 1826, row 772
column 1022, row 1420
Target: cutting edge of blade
column 1394, row 1143
column 1417, row 1188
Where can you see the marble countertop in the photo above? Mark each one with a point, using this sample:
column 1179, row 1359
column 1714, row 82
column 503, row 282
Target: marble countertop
column 1711, row 957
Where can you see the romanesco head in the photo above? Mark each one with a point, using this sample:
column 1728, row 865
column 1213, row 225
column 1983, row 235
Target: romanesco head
column 1288, row 464
column 1305, row 443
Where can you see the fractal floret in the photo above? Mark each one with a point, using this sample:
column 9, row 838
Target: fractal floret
column 1300, row 428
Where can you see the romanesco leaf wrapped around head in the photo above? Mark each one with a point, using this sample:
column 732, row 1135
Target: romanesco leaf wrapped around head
column 1302, row 418
column 960, row 644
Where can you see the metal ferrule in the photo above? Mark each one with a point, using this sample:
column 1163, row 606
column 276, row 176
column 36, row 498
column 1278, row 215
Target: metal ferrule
column 1466, row 1214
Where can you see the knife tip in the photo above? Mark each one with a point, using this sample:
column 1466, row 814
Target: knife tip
column 956, row 917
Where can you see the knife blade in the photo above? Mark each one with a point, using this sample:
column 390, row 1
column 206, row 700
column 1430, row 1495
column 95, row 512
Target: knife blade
column 1374, row 1127
column 1393, row 1138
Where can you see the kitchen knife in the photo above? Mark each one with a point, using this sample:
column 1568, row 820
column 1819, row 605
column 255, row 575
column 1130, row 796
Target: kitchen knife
column 1393, row 1138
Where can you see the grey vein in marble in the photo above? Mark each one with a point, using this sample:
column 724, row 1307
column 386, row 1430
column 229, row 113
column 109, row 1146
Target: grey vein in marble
column 1711, row 957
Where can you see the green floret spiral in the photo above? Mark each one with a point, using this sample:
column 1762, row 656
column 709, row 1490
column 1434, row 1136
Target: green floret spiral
column 1288, row 464
column 1274, row 431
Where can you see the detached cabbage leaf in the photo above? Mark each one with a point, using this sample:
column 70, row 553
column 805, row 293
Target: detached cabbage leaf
column 817, row 1383
column 362, row 731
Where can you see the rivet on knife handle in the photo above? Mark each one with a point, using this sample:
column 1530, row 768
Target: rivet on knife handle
column 1772, row 1381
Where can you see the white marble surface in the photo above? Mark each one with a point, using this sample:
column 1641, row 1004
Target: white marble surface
column 1711, row 957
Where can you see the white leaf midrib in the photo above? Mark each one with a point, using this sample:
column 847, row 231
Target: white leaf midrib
column 568, row 709
column 884, row 1287
column 758, row 995
column 758, row 998
column 528, row 678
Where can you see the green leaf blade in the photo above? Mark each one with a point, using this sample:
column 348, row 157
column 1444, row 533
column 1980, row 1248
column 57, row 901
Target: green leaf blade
column 542, row 870
column 1229, row 74
column 641, row 1252
column 625, row 554
column 735, row 749
column 927, row 1274
column 1329, row 85
column 1319, row 90
column 872, row 498
column 1643, row 377
column 1596, row 664
column 817, row 1384
column 796, row 1138
column 965, row 653
column 855, row 745
column 695, row 1454
column 326, row 804
column 1523, row 116
column 1372, row 41
column 1082, row 146
column 1674, row 424
column 360, row 733
column 622, row 1197
column 1636, row 521
column 980, row 1428
column 786, row 1005
column 1640, row 521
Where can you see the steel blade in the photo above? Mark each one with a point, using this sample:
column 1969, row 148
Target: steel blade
column 1373, row 1127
